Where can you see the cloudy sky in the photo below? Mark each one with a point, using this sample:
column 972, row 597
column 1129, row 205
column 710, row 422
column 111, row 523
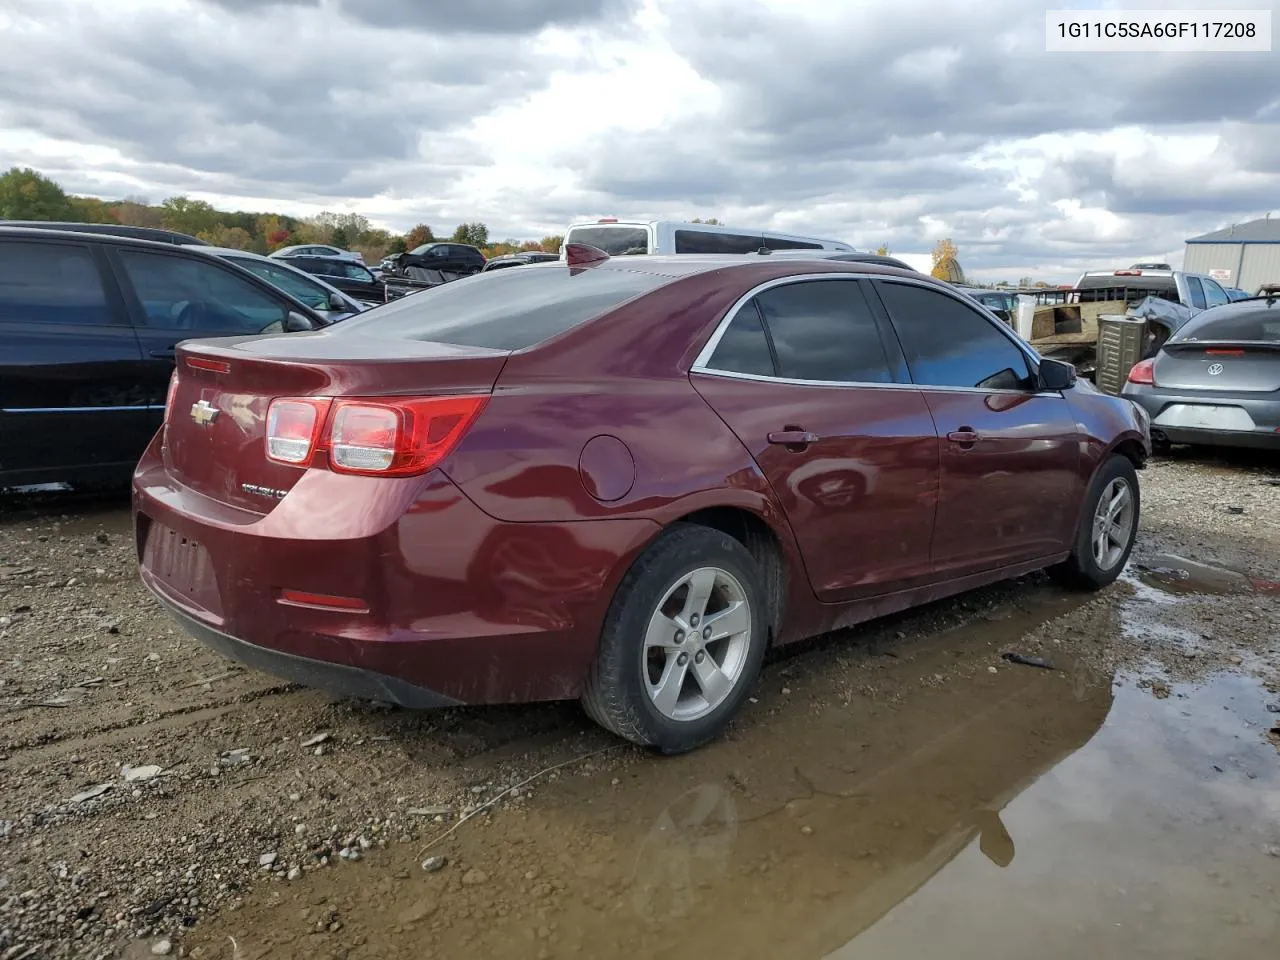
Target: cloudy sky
column 896, row 121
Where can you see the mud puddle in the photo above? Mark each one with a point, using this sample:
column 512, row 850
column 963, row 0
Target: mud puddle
column 1015, row 812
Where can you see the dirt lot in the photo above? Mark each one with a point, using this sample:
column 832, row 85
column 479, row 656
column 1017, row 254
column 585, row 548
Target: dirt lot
column 157, row 798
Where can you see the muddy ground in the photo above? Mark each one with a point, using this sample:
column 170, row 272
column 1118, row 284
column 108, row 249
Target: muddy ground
column 901, row 790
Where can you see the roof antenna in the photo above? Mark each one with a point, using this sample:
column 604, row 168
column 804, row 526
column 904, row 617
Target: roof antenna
column 764, row 250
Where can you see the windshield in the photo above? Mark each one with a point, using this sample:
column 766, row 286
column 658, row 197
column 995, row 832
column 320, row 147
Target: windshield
column 314, row 295
column 616, row 241
column 1240, row 322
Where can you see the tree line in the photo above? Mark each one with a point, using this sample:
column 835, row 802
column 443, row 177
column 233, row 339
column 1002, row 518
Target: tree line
column 26, row 194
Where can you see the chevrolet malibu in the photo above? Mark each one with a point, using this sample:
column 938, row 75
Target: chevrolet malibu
column 619, row 480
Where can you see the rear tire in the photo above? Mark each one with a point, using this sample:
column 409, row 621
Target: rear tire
column 682, row 642
column 1108, row 528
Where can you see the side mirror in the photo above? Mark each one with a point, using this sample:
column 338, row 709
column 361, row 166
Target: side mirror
column 1056, row 375
column 337, row 304
column 297, row 323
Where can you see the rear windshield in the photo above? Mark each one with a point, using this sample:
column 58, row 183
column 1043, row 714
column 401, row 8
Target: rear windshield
column 1237, row 322
column 505, row 309
column 615, row 241
column 1110, row 287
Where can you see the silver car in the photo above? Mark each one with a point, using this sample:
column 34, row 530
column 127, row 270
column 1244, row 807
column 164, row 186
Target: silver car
column 327, row 300
column 1216, row 381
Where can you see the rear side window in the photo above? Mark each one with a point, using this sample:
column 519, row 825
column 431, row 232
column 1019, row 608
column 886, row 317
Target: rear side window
column 615, row 241
column 704, row 241
column 778, row 243
column 743, row 347
column 824, row 330
column 51, row 283
column 949, row 344
column 308, row 291
column 1197, row 293
column 1110, row 287
column 506, row 310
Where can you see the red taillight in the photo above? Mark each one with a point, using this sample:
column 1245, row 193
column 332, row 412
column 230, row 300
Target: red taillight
column 607, row 220
column 293, row 428
column 1128, row 273
column 397, row 438
column 1225, row 353
column 1143, row 372
column 168, row 400
column 205, row 363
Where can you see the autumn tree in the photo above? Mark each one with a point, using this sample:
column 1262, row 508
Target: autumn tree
column 235, row 238
column 475, row 233
column 551, row 243
column 418, row 236
column 136, row 212
column 529, row 246
column 945, row 265
column 711, row 220
column 28, row 195
column 883, row 250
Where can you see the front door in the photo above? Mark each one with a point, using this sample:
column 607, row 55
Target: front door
column 1009, row 455
column 803, row 376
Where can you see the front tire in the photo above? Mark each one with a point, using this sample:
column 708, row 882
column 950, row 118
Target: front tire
column 1108, row 527
column 682, row 643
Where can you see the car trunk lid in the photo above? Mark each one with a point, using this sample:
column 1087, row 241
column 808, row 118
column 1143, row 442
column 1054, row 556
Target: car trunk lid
column 1224, row 367
column 215, row 429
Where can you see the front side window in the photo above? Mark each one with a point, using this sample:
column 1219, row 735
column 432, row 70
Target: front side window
column 1214, row 294
column 743, row 348
column 824, row 330
column 192, row 295
column 51, row 283
column 949, row 344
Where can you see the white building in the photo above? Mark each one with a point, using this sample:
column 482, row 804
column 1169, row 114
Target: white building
column 1244, row 255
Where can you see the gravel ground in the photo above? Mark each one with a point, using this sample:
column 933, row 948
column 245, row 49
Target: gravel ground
column 149, row 785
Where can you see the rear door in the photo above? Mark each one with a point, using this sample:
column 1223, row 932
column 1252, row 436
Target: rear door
column 72, row 385
column 173, row 297
column 1009, row 455
column 807, row 379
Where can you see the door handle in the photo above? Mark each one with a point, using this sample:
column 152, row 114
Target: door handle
column 793, row 437
column 965, row 436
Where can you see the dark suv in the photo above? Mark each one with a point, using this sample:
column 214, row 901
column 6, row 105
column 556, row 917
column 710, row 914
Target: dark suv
column 449, row 259
column 88, row 327
column 352, row 278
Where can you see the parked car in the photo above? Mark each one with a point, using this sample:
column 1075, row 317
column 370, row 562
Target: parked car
column 317, row 250
column 630, row 237
column 354, row 279
column 437, row 262
column 324, row 298
column 88, row 328
column 111, row 229
column 520, row 259
column 619, row 479
column 1216, row 381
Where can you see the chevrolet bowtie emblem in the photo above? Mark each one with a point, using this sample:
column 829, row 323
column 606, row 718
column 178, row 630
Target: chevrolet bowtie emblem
column 204, row 413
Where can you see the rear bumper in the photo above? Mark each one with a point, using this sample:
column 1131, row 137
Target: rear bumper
column 336, row 678
column 457, row 607
column 1258, row 430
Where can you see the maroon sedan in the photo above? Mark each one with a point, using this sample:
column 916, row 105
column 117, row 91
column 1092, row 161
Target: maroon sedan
column 619, row 480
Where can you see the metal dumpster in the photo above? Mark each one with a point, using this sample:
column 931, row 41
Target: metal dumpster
column 1121, row 341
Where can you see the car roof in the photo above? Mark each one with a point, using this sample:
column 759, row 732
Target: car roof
column 676, row 265
column 114, row 238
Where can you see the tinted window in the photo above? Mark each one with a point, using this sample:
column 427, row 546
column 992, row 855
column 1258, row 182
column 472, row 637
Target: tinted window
column 50, row 283
column 615, row 241
column 1197, row 293
column 778, row 243
column 702, row 241
column 743, row 347
column 1111, row 287
column 308, row 291
column 1215, row 294
column 188, row 294
column 1239, row 322
column 507, row 310
column 951, row 345
column 824, row 330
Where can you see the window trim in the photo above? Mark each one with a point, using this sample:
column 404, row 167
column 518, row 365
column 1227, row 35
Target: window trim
column 881, row 313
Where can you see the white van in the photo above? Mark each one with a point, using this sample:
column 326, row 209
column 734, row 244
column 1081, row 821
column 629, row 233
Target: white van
column 623, row 237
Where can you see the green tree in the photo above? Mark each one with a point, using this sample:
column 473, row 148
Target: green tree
column 418, row 236
column 28, row 195
column 339, row 238
column 711, row 220
column 475, row 233
column 189, row 216
column 551, row 243
column 91, row 210
column 883, row 250
column 399, row 245
column 136, row 212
